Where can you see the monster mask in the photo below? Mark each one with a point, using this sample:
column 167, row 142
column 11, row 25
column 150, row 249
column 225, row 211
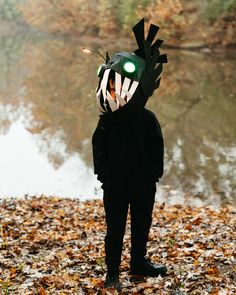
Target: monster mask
column 125, row 74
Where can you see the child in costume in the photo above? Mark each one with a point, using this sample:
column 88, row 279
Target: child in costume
column 128, row 150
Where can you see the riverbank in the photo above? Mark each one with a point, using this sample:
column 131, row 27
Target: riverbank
column 51, row 245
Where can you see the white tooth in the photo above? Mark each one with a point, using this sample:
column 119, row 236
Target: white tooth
column 117, row 82
column 104, row 83
column 133, row 87
column 100, row 107
column 111, row 101
column 120, row 100
column 98, row 90
column 128, row 94
column 98, row 98
column 98, row 95
column 125, row 87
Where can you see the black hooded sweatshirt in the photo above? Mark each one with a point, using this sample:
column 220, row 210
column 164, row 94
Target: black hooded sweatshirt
column 128, row 146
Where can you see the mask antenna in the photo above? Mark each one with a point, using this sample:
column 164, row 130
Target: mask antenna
column 89, row 50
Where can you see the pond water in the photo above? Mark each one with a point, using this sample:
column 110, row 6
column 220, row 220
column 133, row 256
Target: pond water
column 48, row 114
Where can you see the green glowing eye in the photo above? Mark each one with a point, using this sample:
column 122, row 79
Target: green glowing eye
column 129, row 67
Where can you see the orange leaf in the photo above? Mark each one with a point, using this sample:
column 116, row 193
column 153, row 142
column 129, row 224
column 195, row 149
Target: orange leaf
column 213, row 270
column 42, row 291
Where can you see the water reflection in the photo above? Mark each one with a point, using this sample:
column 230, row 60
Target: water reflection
column 25, row 168
column 48, row 112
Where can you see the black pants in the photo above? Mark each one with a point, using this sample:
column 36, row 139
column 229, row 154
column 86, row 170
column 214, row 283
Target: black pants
column 116, row 203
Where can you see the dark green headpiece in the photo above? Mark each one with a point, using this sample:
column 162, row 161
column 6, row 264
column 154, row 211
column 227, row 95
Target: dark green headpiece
column 125, row 74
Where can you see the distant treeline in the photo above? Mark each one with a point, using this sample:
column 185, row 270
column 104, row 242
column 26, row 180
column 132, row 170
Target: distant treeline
column 183, row 22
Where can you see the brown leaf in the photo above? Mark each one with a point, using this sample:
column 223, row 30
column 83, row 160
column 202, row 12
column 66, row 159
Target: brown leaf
column 213, row 270
column 42, row 291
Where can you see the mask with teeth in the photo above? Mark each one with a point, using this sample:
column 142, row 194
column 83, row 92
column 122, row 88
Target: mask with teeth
column 131, row 77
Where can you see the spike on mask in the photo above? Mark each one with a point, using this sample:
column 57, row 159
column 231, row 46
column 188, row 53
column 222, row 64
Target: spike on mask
column 125, row 72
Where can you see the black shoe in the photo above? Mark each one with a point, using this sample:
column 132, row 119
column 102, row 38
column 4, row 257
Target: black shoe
column 112, row 281
column 147, row 268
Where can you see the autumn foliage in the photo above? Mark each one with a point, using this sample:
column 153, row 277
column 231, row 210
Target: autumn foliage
column 183, row 23
column 56, row 246
column 170, row 16
column 72, row 16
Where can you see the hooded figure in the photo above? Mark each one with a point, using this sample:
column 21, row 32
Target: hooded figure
column 128, row 150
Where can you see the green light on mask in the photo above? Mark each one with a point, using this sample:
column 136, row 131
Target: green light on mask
column 99, row 69
column 129, row 67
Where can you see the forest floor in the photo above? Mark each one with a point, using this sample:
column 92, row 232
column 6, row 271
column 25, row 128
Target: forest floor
column 53, row 245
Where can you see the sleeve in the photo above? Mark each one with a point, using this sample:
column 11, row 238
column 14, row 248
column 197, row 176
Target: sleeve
column 100, row 152
column 156, row 144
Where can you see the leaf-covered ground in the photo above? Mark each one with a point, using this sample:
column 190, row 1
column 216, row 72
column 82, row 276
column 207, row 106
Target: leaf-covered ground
column 51, row 245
